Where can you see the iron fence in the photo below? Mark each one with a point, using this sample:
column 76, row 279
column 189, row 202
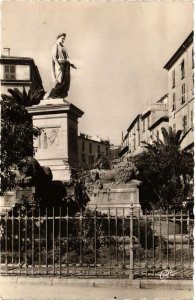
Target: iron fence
column 109, row 242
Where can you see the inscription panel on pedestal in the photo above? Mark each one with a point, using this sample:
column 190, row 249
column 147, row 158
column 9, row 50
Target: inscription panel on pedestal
column 50, row 138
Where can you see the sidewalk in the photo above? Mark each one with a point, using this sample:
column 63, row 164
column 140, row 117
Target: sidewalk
column 20, row 288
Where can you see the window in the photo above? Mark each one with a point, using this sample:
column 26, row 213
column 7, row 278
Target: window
column 157, row 134
column 174, row 102
column 173, row 78
column 83, row 146
column 98, row 149
column 90, row 148
column 148, row 119
column 184, row 121
column 83, row 158
column 183, row 88
column 134, row 142
column 182, row 69
column 174, row 128
column 9, row 72
column 192, row 123
column 138, row 138
column 143, row 125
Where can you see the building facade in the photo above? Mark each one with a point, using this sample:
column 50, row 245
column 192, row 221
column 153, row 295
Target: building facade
column 90, row 147
column 146, row 127
column 175, row 109
column 16, row 72
column 180, row 69
column 154, row 118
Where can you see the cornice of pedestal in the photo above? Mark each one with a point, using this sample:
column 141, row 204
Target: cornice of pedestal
column 53, row 106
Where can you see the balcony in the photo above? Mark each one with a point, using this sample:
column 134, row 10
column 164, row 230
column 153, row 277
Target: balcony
column 155, row 107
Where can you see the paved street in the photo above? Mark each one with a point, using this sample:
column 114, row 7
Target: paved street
column 41, row 290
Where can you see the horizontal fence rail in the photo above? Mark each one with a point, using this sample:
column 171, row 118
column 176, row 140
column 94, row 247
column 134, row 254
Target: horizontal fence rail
column 108, row 243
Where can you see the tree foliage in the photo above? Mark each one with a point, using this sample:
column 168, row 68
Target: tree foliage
column 166, row 172
column 17, row 133
column 32, row 97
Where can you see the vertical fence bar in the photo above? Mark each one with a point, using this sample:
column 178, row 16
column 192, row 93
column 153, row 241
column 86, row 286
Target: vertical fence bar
column 60, row 221
column 146, row 242
column 95, row 238
column 53, row 219
column 160, row 254
column 46, row 242
column 25, row 242
column 19, row 241
column 167, row 221
column 189, row 237
column 153, row 244
column 67, row 242
column 81, row 238
column 12, row 236
column 116, row 234
column 123, row 233
column 6, row 254
column 174, row 249
column 131, row 266
column 182, row 266
column 109, row 254
column 139, row 245
column 33, row 241
column 39, row 240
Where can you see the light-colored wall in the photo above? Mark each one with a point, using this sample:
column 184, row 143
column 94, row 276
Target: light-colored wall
column 4, row 88
column 22, row 72
column 137, row 134
column 185, row 109
column 94, row 149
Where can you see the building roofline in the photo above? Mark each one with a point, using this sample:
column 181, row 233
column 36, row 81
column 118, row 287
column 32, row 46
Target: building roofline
column 6, row 57
column 188, row 41
column 22, row 60
column 162, row 98
column 133, row 123
column 101, row 141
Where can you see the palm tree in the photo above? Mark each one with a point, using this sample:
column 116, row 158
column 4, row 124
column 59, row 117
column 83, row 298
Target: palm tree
column 166, row 171
column 32, row 97
column 170, row 139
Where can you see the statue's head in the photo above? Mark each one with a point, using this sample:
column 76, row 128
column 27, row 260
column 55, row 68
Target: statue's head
column 61, row 37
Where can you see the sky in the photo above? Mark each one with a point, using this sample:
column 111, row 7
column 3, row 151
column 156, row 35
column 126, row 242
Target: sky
column 119, row 48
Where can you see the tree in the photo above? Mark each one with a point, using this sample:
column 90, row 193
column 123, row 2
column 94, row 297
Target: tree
column 166, row 172
column 32, row 97
column 17, row 133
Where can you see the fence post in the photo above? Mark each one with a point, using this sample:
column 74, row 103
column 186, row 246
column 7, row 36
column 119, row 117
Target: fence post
column 131, row 266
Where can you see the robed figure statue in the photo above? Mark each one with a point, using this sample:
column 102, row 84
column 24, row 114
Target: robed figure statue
column 60, row 69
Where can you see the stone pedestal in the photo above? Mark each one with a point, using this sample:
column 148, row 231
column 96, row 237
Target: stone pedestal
column 7, row 201
column 57, row 146
column 117, row 198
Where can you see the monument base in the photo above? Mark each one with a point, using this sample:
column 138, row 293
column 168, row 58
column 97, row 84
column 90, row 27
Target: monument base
column 117, row 199
column 57, row 146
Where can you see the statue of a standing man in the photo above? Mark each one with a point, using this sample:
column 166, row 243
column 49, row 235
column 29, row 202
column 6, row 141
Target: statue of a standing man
column 60, row 69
